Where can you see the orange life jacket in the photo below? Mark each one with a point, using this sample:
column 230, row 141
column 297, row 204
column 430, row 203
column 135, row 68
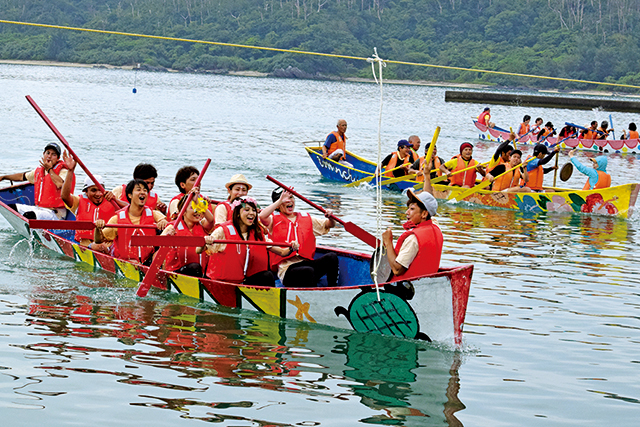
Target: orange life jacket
column 602, row 134
column 284, row 230
column 47, row 195
column 467, row 178
column 427, row 260
column 122, row 246
column 394, row 162
column 524, row 129
column 178, row 257
column 507, row 180
column 338, row 144
column 633, row 134
column 604, row 181
column 536, row 177
column 436, row 165
column 89, row 211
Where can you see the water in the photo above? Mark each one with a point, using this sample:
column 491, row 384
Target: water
column 552, row 329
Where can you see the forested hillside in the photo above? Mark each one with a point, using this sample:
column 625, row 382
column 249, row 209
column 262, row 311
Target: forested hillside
column 582, row 39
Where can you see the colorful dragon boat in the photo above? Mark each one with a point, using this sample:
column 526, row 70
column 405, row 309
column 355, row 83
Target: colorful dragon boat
column 430, row 308
column 612, row 145
column 616, row 201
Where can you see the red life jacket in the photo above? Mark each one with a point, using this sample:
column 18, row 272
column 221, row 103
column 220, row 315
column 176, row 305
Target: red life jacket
column 536, row 177
column 284, row 230
column 89, row 211
column 604, row 181
column 484, row 118
column 181, row 256
column 151, row 202
column 338, row 144
column 467, row 178
column 47, row 195
column 122, row 246
column 237, row 261
column 427, row 260
column 394, row 162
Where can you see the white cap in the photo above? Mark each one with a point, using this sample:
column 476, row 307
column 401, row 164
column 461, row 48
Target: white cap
column 425, row 200
column 88, row 183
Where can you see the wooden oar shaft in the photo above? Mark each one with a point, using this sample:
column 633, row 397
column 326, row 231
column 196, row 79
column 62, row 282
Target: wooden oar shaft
column 195, row 241
column 68, row 147
column 76, row 225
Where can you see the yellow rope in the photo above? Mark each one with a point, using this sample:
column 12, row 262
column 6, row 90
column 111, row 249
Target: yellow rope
column 329, row 55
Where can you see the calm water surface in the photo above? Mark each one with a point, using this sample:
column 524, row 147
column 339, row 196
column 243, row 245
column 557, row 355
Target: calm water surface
column 552, row 330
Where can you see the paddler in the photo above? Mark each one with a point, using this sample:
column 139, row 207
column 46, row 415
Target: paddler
column 238, row 263
column 415, row 142
column 548, row 131
column 633, row 132
column 510, row 182
column 419, row 249
column 597, row 176
column 91, row 205
column 418, row 166
column 591, row 132
column 186, row 177
column 603, row 130
column 237, row 188
column 190, row 261
column 137, row 213
column 462, row 161
column 524, row 126
column 300, row 268
column 502, row 153
column 335, row 144
column 535, row 166
column 537, row 127
column 484, row 118
column 47, row 180
column 402, row 156
column 148, row 174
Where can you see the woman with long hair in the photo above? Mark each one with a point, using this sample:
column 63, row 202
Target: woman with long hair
column 242, row 263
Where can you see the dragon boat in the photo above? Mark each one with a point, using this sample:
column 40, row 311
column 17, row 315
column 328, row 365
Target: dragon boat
column 430, row 308
column 611, row 145
column 615, row 201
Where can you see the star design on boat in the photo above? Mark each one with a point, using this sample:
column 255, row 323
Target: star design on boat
column 303, row 309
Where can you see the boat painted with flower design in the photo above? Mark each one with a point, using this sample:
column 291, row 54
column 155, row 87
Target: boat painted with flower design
column 615, row 201
column 430, row 308
column 612, row 145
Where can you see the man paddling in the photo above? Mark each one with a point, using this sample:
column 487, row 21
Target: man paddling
column 47, row 180
column 137, row 213
column 91, row 205
column 185, row 179
column 403, row 156
column 419, row 249
column 535, row 166
column 513, row 181
column 415, row 142
column 418, row 166
column 460, row 162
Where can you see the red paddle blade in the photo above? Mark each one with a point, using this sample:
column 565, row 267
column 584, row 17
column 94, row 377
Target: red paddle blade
column 361, row 234
column 60, row 224
column 167, row 241
column 151, row 276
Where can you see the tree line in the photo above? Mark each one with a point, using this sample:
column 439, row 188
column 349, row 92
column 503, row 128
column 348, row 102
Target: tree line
column 577, row 39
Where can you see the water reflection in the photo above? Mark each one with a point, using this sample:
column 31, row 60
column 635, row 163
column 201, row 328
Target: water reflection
column 184, row 355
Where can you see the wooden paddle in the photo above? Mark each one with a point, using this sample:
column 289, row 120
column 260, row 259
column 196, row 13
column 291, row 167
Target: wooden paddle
column 427, row 158
column 195, row 241
column 150, row 276
column 66, row 145
column 485, row 184
column 77, row 225
column 369, row 178
column 350, row 227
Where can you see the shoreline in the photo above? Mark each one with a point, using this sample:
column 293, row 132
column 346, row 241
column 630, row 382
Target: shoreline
column 346, row 79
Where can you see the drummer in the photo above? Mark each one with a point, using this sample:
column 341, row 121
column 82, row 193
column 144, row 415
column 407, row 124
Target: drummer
column 597, row 176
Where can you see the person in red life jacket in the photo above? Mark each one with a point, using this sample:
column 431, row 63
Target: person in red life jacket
column 603, row 130
column 136, row 213
column 535, row 166
column 524, row 126
column 189, row 261
column 238, row 263
column 148, row 174
column 300, row 268
column 567, row 131
column 419, row 249
column 415, row 142
column 335, row 144
column 237, row 188
column 186, row 177
column 47, row 180
column 462, row 161
column 546, row 132
column 418, row 166
column 403, row 156
column 633, row 132
column 484, row 118
column 91, row 205
column 597, row 177
column 536, row 128
column 510, row 182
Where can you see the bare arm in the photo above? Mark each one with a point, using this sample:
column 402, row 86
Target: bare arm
column 387, row 240
column 19, row 176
